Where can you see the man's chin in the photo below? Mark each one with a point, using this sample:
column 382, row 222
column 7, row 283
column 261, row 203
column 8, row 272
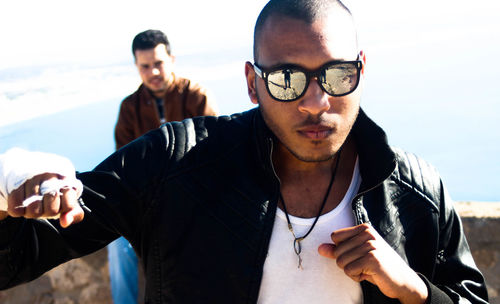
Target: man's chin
column 157, row 90
column 313, row 157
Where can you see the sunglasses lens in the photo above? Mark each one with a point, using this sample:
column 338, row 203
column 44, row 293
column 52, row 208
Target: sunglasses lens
column 340, row 78
column 286, row 84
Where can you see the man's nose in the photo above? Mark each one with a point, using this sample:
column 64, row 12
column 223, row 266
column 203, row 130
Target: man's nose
column 155, row 71
column 315, row 100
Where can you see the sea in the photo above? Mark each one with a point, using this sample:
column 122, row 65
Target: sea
column 439, row 101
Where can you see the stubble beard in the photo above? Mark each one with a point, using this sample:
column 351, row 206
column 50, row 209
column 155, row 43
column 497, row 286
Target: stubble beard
column 158, row 92
column 279, row 134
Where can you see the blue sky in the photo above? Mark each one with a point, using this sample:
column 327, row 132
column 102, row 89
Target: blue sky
column 417, row 34
column 37, row 32
column 77, row 39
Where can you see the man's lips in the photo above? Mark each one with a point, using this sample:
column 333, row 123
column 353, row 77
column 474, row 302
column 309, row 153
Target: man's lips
column 155, row 81
column 315, row 132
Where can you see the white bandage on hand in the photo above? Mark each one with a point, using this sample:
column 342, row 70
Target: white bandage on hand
column 54, row 187
column 18, row 165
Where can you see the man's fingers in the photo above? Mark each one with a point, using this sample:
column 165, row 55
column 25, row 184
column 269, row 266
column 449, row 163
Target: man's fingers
column 343, row 234
column 74, row 216
column 34, row 210
column 363, row 250
column 327, row 250
column 365, row 265
column 51, row 205
column 3, row 215
column 359, row 241
column 15, row 201
column 364, row 255
column 32, row 187
column 346, row 241
column 71, row 212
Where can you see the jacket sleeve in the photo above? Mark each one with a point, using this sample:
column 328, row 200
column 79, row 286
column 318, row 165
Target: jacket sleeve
column 117, row 192
column 456, row 278
column 124, row 132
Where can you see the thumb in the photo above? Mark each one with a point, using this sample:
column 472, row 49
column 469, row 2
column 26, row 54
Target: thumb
column 327, row 250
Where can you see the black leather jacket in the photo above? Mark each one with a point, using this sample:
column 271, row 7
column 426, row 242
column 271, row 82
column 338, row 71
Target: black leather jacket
column 197, row 200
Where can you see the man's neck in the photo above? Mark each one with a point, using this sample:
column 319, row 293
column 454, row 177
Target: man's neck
column 304, row 184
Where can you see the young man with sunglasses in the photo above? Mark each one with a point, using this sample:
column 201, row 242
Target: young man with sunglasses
column 298, row 201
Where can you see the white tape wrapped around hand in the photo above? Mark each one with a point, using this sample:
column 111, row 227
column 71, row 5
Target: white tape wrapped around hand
column 18, row 165
column 54, row 186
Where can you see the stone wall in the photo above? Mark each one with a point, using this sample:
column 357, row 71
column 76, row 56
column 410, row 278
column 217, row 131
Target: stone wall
column 86, row 280
column 482, row 227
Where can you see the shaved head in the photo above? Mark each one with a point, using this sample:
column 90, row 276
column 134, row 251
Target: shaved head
column 307, row 11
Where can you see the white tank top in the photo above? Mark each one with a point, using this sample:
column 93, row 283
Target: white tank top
column 320, row 280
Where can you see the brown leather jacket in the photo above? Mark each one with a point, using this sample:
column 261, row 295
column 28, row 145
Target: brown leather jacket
column 139, row 113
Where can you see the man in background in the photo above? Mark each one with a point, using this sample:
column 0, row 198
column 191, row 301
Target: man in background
column 162, row 97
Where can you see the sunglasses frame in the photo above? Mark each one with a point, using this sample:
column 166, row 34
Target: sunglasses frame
column 264, row 73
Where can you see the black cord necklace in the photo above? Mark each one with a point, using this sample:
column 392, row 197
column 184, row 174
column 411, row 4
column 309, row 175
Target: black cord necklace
column 296, row 242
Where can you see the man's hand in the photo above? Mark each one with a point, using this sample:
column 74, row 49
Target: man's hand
column 64, row 205
column 364, row 255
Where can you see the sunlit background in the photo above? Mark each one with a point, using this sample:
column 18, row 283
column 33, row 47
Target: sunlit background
column 431, row 77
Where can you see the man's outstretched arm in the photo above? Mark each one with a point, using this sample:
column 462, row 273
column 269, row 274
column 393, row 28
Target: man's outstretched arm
column 30, row 243
column 118, row 192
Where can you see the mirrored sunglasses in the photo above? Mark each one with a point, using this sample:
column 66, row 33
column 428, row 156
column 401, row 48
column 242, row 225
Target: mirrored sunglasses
column 289, row 82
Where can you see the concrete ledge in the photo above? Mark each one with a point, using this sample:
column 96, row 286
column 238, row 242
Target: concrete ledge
column 478, row 209
column 481, row 222
column 86, row 280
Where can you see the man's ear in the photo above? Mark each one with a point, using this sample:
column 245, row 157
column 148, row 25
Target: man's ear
column 250, row 76
column 362, row 57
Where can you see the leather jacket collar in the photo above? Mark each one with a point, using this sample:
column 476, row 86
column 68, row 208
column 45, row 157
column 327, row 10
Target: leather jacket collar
column 376, row 158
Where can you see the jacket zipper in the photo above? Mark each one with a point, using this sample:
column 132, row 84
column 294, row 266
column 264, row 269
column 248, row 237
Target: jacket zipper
column 356, row 200
column 357, row 197
column 365, row 287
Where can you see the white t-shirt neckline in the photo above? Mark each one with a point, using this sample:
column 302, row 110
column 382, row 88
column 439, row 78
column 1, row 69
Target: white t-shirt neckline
column 351, row 191
column 320, row 280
